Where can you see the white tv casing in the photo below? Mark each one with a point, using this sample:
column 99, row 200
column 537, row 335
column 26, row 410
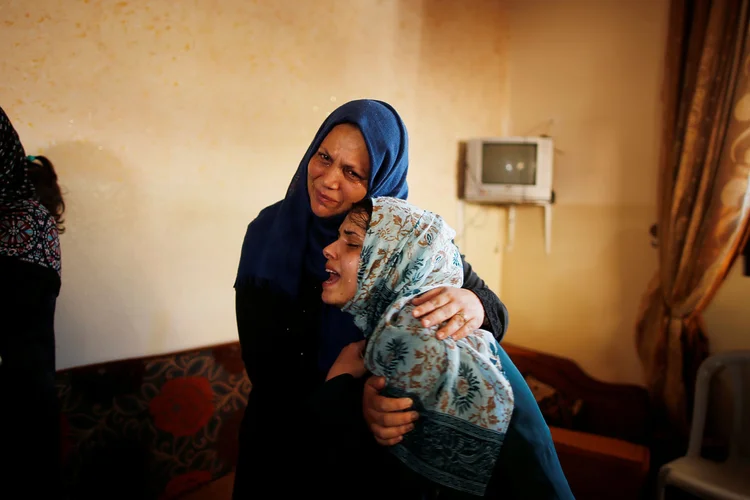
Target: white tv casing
column 538, row 193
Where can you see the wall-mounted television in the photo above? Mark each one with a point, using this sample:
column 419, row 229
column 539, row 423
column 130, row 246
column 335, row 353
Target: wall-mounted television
column 509, row 170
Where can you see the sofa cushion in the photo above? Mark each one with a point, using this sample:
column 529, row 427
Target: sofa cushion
column 152, row 428
column 558, row 410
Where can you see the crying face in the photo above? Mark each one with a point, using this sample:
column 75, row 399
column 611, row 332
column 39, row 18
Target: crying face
column 343, row 261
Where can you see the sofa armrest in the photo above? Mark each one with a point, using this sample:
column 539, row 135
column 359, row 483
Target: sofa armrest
column 619, row 411
column 220, row 489
column 600, row 447
column 601, row 467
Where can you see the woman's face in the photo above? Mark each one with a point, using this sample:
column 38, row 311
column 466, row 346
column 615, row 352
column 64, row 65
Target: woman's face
column 338, row 173
column 343, row 260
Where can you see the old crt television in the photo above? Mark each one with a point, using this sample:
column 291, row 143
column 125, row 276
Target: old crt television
column 508, row 170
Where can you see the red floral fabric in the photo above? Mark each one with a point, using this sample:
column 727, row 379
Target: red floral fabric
column 184, row 406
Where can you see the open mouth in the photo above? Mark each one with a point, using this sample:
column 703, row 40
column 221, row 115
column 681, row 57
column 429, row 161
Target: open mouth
column 333, row 277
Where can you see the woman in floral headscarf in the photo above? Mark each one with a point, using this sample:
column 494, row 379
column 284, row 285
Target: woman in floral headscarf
column 480, row 431
column 31, row 209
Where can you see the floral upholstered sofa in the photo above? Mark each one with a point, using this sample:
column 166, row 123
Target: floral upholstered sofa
column 164, row 427
column 151, row 428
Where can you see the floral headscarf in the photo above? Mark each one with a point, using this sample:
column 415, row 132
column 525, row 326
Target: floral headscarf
column 458, row 387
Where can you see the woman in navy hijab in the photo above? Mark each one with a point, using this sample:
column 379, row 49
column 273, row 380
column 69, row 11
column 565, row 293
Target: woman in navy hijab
column 290, row 339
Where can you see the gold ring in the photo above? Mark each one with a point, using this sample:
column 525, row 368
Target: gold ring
column 460, row 314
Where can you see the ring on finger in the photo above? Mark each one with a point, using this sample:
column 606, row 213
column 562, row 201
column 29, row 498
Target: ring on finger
column 460, row 314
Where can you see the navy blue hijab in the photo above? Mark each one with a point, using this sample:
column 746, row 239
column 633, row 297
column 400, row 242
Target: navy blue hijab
column 286, row 240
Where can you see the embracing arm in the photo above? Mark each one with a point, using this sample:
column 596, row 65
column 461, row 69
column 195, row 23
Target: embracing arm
column 495, row 312
column 459, row 312
column 462, row 311
column 384, row 415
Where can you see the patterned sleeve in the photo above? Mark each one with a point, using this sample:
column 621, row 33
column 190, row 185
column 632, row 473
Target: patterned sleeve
column 495, row 312
column 14, row 183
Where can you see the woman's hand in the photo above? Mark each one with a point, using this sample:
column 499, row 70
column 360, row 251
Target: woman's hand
column 461, row 307
column 386, row 417
column 350, row 360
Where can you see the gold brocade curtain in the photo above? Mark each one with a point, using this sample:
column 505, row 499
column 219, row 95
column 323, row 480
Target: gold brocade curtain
column 703, row 191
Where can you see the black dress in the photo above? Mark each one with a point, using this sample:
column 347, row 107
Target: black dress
column 29, row 415
column 298, row 436
column 29, row 285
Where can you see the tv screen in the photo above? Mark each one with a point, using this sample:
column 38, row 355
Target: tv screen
column 509, row 163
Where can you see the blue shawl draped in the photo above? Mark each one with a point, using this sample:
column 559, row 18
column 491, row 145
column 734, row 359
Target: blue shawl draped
column 286, row 240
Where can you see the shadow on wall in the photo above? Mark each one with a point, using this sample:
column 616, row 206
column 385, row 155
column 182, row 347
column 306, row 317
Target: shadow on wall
column 633, row 258
column 104, row 287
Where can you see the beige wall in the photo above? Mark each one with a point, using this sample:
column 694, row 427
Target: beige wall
column 173, row 123
column 728, row 316
column 588, row 73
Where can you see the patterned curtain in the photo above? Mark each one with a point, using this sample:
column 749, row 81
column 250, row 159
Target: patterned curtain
column 703, row 198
